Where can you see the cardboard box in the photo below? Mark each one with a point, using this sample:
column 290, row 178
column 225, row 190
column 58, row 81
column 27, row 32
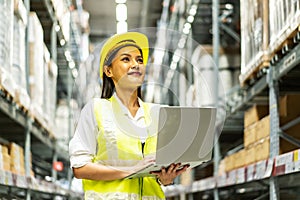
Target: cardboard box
column 250, row 134
column 6, row 162
column 263, row 128
column 250, row 155
column 4, row 149
column 255, row 113
column 186, row 178
column 222, row 166
column 229, row 163
column 289, row 108
column 239, row 159
column 262, row 149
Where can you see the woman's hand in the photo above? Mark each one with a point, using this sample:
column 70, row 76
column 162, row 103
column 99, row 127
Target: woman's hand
column 167, row 175
column 143, row 163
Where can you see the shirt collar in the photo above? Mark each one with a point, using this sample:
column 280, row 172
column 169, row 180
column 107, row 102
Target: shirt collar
column 125, row 111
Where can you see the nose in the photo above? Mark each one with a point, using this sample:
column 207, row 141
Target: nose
column 135, row 65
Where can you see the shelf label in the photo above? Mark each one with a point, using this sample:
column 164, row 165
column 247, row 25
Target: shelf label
column 231, row 177
column 269, row 168
column 8, row 178
column 250, row 172
column 240, row 175
column 221, row 180
column 297, row 166
column 289, row 168
column 284, row 163
column 260, row 169
column 21, row 181
column 284, row 159
column 211, row 183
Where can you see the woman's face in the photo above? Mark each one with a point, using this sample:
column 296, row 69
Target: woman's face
column 127, row 68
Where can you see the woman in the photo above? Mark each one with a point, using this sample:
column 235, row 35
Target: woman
column 113, row 138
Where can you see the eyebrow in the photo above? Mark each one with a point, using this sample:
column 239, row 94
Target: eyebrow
column 126, row 54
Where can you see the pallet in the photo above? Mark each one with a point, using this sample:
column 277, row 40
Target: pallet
column 41, row 123
column 4, row 93
column 255, row 72
column 287, row 40
column 22, row 108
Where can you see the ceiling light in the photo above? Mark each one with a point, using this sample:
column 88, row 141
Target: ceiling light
column 187, row 25
column 120, row 1
column 229, row 6
column 75, row 72
column 190, row 19
column 193, row 10
column 62, row 42
column 121, row 12
column 57, row 28
column 186, row 31
column 121, row 27
column 71, row 65
column 181, row 42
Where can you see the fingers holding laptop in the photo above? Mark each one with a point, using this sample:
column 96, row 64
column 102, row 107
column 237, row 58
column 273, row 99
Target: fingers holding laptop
column 148, row 160
column 167, row 175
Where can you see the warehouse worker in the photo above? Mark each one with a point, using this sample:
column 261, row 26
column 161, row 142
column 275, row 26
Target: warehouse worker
column 113, row 138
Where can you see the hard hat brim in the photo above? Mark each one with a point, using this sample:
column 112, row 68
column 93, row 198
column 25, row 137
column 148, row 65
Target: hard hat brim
column 138, row 39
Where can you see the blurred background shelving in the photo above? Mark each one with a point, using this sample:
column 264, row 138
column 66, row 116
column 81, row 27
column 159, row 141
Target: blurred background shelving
column 248, row 51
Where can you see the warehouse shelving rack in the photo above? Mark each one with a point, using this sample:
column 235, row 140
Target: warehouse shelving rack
column 20, row 126
column 268, row 178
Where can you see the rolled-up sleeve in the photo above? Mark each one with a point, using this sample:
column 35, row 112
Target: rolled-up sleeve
column 82, row 146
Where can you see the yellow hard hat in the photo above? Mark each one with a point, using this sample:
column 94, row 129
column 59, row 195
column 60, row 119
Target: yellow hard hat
column 125, row 39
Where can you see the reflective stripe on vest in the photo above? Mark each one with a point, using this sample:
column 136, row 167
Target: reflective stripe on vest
column 118, row 146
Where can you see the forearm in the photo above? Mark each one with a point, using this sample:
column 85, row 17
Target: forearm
column 93, row 171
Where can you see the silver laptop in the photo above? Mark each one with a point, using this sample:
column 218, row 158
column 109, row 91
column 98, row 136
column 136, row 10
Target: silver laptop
column 185, row 135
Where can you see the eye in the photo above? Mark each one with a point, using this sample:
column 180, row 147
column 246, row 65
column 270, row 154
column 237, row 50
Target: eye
column 140, row 60
column 126, row 59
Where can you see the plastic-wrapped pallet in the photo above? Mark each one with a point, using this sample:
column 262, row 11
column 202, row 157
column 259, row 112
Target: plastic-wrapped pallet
column 18, row 64
column 36, row 63
column 255, row 37
column 284, row 20
column 18, row 69
column 46, row 99
column 6, row 28
column 52, row 84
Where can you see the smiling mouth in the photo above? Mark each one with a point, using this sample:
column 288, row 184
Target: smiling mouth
column 135, row 73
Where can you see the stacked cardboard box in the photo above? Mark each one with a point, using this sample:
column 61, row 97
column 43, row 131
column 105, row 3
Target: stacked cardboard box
column 4, row 158
column 252, row 119
column 17, row 165
column 255, row 128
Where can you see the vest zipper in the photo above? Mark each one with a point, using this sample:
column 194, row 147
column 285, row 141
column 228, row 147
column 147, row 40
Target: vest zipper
column 141, row 187
column 141, row 181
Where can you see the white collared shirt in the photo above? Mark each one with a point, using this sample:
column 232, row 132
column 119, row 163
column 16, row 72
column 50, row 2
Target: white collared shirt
column 83, row 145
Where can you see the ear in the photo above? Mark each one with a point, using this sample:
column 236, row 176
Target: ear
column 107, row 71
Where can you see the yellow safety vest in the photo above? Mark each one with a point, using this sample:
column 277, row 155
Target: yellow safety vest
column 118, row 148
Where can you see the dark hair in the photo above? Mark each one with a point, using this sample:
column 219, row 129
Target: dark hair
column 108, row 86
